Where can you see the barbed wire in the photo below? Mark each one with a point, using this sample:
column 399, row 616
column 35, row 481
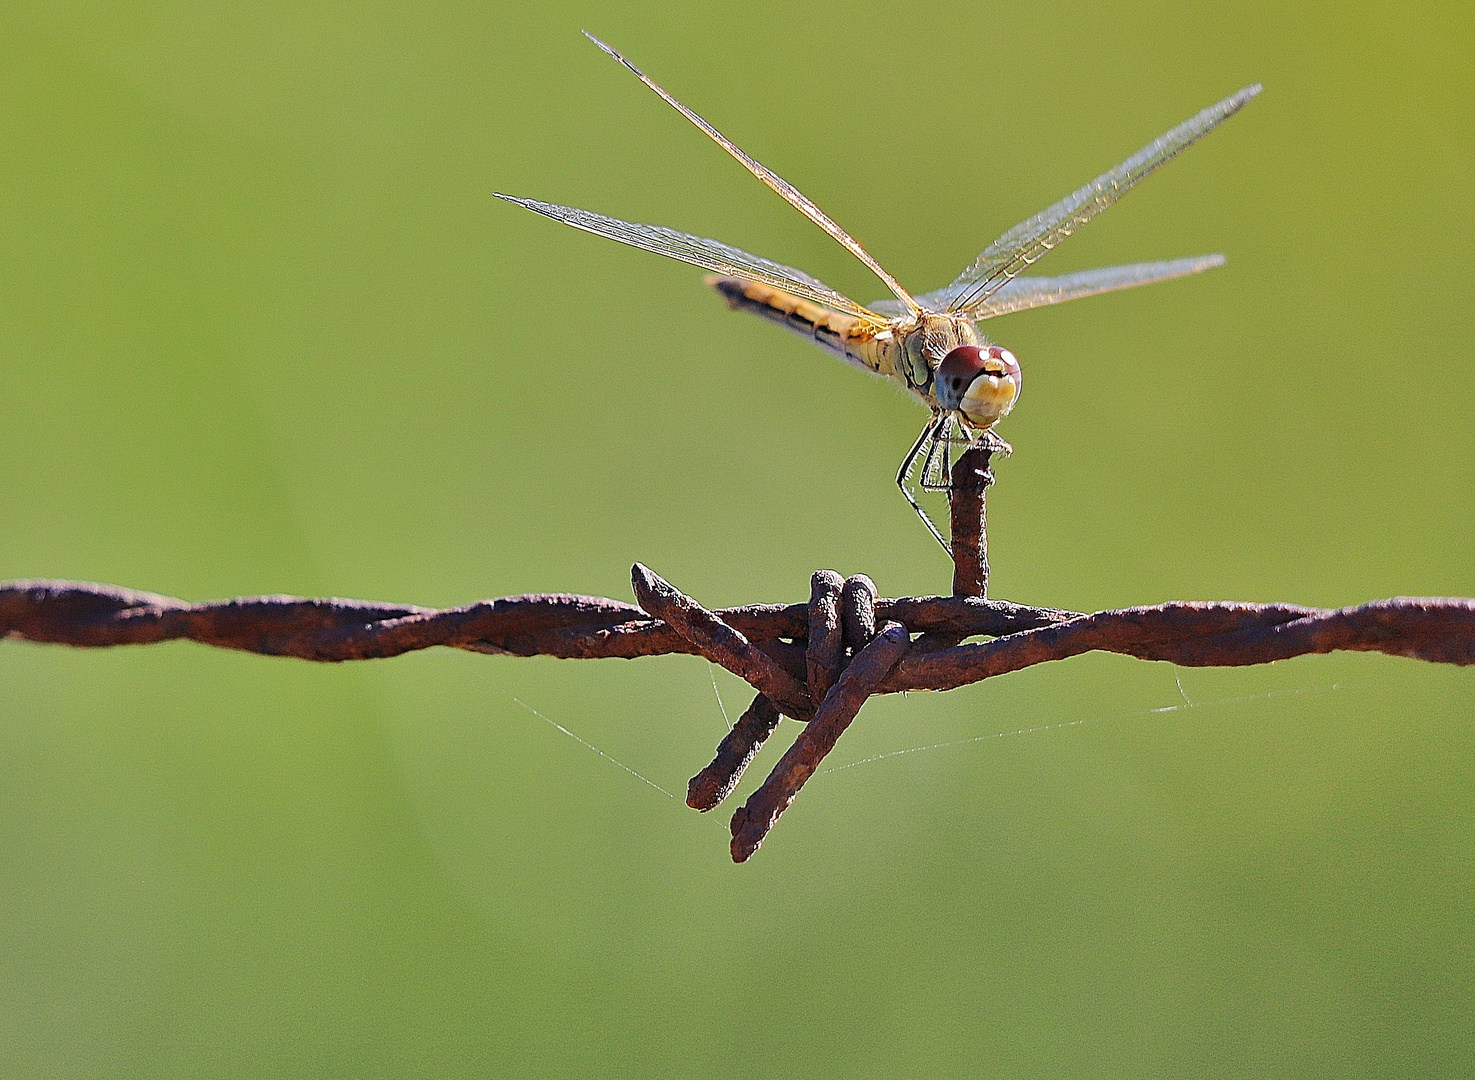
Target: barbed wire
column 817, row 662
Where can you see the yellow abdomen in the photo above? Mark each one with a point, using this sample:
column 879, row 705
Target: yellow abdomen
column 864, row 344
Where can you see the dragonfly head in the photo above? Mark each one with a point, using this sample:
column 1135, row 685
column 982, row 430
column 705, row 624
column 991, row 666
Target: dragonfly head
column 980, row 381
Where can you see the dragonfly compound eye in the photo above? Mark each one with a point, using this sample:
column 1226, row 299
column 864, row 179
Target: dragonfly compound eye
column 980, row 381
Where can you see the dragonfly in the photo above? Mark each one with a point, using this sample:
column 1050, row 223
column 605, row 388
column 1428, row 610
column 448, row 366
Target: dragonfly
column 930, row 343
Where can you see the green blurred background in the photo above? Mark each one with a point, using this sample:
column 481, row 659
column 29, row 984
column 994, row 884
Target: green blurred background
column 263, row 328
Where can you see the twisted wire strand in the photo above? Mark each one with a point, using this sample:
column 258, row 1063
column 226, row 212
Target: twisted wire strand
column 1228, row 634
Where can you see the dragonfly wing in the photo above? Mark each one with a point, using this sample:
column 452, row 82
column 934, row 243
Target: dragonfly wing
column 895, row 309
column 792, row 195
column 1022, row 245
column 699, row 251
column 1022, row 293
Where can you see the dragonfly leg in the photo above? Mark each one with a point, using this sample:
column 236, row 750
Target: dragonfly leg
column 937, row 475
column 993, row 443
column 947, row 460
column 926, row 444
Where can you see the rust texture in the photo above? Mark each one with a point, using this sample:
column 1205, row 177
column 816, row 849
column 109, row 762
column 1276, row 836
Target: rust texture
column 719, row 642
column 768, row 645
column 858, row 611
column 1437, row 629
column 826, row 643
column 735, row 752
column 88, row 615
column 1193, row 634
column 970, row 480
column 752, row 822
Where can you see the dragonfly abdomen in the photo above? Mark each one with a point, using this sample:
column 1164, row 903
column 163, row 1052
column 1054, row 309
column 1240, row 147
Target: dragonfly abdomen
column 844, row 335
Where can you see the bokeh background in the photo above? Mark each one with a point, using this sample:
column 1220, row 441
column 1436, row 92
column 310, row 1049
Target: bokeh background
column 263, row 328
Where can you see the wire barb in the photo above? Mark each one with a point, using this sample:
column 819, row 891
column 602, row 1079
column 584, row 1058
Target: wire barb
column 858, row 611
column 825, row 655
column 735, row 753
column 969, row 482
column 719, row 642
column 752, row 822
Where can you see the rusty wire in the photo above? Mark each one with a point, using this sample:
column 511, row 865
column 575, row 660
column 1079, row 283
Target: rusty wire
column 817, row 662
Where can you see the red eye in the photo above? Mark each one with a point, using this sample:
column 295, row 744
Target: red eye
column 963, row 363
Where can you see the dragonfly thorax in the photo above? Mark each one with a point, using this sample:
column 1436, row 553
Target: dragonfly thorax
column 980, row 382
column 928, row 341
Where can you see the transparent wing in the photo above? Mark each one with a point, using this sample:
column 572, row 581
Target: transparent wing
column 1022, row 245
column 711, row 254
column 1022, row 293
column 790, row 193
